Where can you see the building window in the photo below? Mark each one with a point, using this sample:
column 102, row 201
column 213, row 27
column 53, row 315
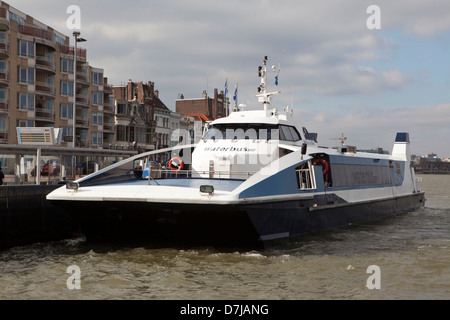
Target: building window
column 84, row 114
column 121, row 108
column 83, row 135
column 97, row 98
column 3, row 96
column 97, row 138
column 97, row 119
column 97, row 78
column 67, row 88
column 25, row 75
column 3, row 66
column 122, row 133
column 26, row 49
column 17, row 18
column 25, row 123
column 3, row 124
column 48, row 106
column 25, row 101
column 66, row 111
column 50, row 80
column 67, row 132
column 67, row 66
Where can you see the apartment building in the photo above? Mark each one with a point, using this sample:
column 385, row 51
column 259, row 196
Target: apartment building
column 36, row 84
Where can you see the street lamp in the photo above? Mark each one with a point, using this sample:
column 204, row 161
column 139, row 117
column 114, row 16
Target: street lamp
column 76, row 34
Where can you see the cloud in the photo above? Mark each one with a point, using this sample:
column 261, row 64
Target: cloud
column 325, row 50
column 368, row 128
column 417, row 17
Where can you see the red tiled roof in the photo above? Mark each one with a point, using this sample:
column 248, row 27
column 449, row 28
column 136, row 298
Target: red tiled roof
column 199, row 116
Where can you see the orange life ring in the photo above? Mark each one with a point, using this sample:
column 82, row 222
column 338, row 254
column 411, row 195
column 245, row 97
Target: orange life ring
column 179, row 166
column 325, row 164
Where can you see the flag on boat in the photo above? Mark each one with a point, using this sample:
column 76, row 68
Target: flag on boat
column 146, row 171
column 235, row 93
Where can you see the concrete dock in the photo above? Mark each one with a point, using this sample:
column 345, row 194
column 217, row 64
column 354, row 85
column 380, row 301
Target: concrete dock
column 25, row 214
column 27, row 217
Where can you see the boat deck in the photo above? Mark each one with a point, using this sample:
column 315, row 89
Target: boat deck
column 218, row 184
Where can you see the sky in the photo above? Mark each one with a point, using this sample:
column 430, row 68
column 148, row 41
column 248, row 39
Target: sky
column 344, row 69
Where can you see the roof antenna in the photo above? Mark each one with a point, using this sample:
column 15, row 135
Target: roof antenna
column 263, row 96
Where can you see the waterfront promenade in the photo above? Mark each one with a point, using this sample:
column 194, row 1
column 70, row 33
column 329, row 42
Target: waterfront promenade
column 21, row 163
column 25, row 214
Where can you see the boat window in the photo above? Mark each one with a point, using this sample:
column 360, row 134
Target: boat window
column 294, row 133
column 242, row 131
column 287, row 133
column 351, row 175
column 252, row 131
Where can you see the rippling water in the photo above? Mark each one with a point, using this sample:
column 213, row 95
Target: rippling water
column 411, row 250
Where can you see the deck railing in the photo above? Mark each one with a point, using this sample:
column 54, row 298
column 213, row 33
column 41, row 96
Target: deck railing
column 419, row 183
column 173, row 174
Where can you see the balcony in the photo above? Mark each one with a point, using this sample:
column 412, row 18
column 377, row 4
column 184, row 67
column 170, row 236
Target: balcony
column 46, row 64
column 4, row 106
column 108, row 127
column 45, row 115
column 107, row 89
column 4, row 22
column 82, row 122
column 3, row 136
column 45, row 89
column 82, row 101
column 107, row 108
column 4, row 77
column 82, row 78
column 4, row 49
column 41, row 36
column 81, row 53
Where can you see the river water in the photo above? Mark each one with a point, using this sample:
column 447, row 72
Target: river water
column 411, row 252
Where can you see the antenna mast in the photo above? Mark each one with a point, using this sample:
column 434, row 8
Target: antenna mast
column 263, row 96
column 342, row 138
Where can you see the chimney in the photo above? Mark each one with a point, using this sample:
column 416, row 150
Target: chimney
column 130, row 91
column 151, row 85
column 204, row 94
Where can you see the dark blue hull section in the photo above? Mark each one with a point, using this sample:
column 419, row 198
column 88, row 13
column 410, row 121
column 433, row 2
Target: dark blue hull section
column 247, row 225
column 291, row 219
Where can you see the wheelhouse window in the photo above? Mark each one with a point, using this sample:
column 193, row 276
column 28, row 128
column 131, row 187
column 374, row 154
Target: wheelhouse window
column 252, row 131
column 289, row 133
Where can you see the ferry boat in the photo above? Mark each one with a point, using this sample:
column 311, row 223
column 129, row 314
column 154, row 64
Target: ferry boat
column 254, row 178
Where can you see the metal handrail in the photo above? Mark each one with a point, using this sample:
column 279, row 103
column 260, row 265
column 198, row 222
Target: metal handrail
column 168, row 173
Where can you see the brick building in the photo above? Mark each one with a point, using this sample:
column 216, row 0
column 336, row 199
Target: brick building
column 212, row 108
column 142, row 120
